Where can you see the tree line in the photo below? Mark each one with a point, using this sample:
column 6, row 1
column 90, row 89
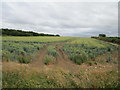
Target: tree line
column 13, row 32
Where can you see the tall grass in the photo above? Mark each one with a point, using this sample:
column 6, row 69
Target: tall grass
column 61, row 79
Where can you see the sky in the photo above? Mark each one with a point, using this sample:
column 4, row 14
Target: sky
column 76, row 19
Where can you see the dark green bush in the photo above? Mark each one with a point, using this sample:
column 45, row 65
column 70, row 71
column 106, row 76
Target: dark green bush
column 78, row 59
column 109, row 39
column 23, row 59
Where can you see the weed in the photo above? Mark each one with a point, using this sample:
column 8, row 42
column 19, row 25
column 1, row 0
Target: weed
column 109, row 59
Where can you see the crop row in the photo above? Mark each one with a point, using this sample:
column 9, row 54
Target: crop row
column 79, row 53
column 20, row 52
column 35, row 39
column 50, row 58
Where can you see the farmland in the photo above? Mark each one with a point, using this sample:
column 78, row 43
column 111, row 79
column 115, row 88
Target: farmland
column 35, row 39
column 20, row 52
column 59, row 62
column 85, row 49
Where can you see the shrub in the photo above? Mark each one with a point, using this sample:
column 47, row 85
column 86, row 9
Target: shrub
column 78, row 59
column 102, row 35
column 109, row 59
column 48, row 59
column 52, row 51
column 6, row 55
column 109, row 39
column 90, row 63
column 101, row 61
column 24, row 59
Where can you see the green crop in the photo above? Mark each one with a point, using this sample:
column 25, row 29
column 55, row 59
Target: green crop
column 52, row 51
column 20, row 52
column 49, row 59
column 35, row 39
column 83, row 49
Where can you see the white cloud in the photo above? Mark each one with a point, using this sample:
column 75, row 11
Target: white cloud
column 64, row 18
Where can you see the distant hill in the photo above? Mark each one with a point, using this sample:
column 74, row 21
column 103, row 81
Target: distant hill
column 13, row 32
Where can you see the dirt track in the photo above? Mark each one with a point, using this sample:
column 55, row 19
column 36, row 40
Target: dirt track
column 38, row 62
column 62, row 64
column 62, row 59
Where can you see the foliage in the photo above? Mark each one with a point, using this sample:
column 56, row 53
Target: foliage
column 109, row 39
column 19, row 80
column 51, row 57
column 48, row 59
column 78, row 58
column 102, row 35
column 52, row 51
column 19, row 52
column 35, row 39
column 13, row 32
column 24, row 49
column 80, row 51
column 60, row 79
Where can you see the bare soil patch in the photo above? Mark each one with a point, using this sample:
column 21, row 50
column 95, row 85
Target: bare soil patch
column 38, row 62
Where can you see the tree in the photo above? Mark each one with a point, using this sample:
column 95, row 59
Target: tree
column 102, row 35
column 13, row 32
column 58, row 35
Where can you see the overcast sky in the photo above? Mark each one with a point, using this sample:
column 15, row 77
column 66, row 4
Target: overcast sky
column 67, row 19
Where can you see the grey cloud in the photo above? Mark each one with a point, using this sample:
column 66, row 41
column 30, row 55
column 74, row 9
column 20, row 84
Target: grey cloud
column 67, row 19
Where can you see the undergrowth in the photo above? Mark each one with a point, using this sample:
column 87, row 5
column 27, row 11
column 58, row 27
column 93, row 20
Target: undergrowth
column 49, row 59
column 61, row 79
